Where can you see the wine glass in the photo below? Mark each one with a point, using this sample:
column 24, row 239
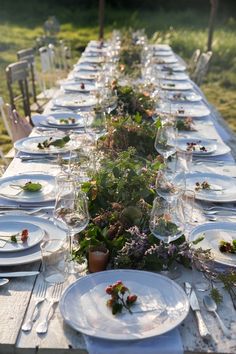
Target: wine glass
column 167, row 224
column 165, row 141
column 170, row 184
column 71, row 212
column 97, row 126
column 166, row 220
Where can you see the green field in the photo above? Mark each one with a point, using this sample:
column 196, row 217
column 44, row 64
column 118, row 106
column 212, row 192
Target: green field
column 185, row 31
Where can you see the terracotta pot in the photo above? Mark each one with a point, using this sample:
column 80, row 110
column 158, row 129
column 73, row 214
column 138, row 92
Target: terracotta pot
column 98, row 259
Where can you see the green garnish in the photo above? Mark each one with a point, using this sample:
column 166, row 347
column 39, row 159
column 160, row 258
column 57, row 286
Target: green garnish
column 32, row 187
column 199, row 239
column 29, row 186
column 13, row 239
column 216, row 296
column 50, row 142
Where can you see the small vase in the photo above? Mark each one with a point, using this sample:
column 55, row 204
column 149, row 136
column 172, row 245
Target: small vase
column 98, row 259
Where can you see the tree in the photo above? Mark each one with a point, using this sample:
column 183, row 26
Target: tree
column 214, row 6
column 101, row 18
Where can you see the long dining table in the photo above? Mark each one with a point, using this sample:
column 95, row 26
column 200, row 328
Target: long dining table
column 17, row 298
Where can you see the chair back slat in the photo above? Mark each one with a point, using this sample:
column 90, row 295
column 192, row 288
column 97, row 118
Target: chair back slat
column 202, row 67
column 28, row 55
column 18, row 73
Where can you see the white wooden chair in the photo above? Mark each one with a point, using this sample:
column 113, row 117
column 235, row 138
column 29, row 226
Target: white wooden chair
column 193, row 61
column 17, row 75
column 47, row 75
column 201, row 68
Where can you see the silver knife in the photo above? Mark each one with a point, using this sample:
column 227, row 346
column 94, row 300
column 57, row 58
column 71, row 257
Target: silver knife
column 203, row 330
column 18, row 274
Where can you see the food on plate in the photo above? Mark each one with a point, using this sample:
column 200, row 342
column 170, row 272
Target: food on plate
column 19, row 237
column 120, row 298
column 60, row 143
column 202, row 185
column 227, row 247
column 29, row 186
column 195, row 146
column 68, row 120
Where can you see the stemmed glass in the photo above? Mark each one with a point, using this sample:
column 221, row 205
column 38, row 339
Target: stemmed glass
column 165, row 141
column 71, row 212
column 167, row 224
column 170, row 184
column 97, row 127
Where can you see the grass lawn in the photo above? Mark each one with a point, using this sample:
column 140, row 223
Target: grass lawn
column 21, row 23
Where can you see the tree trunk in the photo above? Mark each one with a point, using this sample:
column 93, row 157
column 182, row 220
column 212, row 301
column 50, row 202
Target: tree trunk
column 101, row 18
column 214, row 6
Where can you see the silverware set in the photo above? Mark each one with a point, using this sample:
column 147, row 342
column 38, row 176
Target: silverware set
column 52, row 298
column 213, row 213
column 210, row 306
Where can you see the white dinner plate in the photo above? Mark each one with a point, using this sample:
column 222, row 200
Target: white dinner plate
column 87, row 67
column 83, row 305
column 82, row 88
column 35, row 235
column 173, row 85
column 223, row 188
column 32, row 254
column 82, row 75
column 163, row 53
column 55, row 117
column 176, row 67
column 173, row 75
column 91, row 60
column 213, row 233
column 75, row 101
column 30, row 146
column 161, row 47
column 186, row 110
column 166, row 60
column 69, row 121
column 184, row 97
column 9, row 192
column 184, row 145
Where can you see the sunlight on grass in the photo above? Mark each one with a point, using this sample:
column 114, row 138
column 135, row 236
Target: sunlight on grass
column 184, row 31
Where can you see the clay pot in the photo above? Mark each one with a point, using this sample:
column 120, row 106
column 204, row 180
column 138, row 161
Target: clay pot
column 98, row 258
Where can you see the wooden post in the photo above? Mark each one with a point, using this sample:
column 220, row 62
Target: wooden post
column 101, row 18
column 214, row 6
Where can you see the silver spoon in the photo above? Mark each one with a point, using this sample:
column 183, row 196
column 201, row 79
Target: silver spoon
column 212, row 307
column 3, row 281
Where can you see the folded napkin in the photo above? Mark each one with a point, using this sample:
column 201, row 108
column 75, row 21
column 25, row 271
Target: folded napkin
column 169, row 343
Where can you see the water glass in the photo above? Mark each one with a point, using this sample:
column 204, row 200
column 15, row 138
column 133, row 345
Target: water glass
column 54, row 255
column 183, row 160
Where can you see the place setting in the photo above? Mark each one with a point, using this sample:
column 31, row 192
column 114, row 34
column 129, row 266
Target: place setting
column 185, row 110
column 82, row 87
column 75, row 101
column 61, row 120
column 175, row 85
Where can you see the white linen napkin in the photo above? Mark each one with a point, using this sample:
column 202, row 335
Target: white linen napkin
column 169, row 343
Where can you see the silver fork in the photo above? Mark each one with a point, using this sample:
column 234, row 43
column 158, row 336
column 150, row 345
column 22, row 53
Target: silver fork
column 55, row 297
column 39, row 298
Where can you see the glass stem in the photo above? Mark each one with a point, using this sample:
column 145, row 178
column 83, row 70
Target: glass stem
column 71, row 242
